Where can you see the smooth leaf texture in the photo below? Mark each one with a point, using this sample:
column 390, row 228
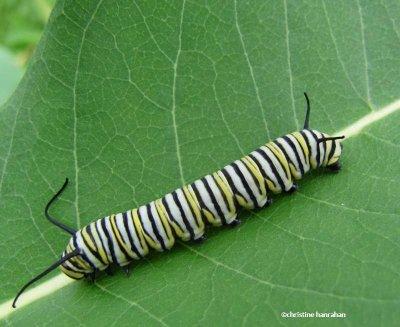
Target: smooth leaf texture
column 131, row 99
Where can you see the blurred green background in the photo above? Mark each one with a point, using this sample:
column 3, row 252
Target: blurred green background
column 21, row 25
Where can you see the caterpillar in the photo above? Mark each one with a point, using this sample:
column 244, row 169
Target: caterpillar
column 120, row 238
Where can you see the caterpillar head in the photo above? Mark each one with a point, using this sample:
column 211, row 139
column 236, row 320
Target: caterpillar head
column 325, row 150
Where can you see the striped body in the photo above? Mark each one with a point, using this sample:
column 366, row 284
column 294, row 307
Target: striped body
column 213, row 199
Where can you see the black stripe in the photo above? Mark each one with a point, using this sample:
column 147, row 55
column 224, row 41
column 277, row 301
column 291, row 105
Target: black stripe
column 95, row 253
column 301, row 148
column 255, row 179
column 200, row 201
column 230, row 182
column 143, row 243
column 82, row 253
column 296, row 153
column 332, row 152
column 165, row 226
column 71, row 270
column 109, row 241
column 76, row 265
column 169, row 214
column 223, row 193
column 273, row 168
column 308, row 146
column 214, row 200
column 289, row 161
column 318, row 152
column 245, row 184
column 261, row 170
column 155, row 229
column 198, row 196
column 287, row 174
column 191, row 208
column 101, row 240
column 184, row 218
column 131, row 242
column 121, row 246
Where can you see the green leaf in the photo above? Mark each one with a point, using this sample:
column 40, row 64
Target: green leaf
column 130, row 99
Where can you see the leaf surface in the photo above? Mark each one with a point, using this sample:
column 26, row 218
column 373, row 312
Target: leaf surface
column 131, row 99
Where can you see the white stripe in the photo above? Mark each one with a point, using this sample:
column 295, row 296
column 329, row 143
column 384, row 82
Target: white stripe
column 206, row 198
column 188, row 213
column 312, row 149
column 96, row 236
column 148, row 228
column 218, row 195
column 72, row 267
column 104, row 239
column 261, row 198
column 281, row 170
column 299, row 149
column 229, row 215
column 86, row 250
column 267, row 170
column 119, row 221
column 135, row 235
column 321, row 147
column 239, row 185
column 120, row 256
column 160, row 227
column 176, row 215
column 292, row 156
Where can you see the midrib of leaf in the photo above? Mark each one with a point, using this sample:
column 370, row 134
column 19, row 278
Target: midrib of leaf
column 56, row 283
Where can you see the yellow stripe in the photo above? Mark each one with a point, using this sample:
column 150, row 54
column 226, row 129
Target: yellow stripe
column 294, row 171
column 81, row 262
column 224, row 186
column 148, row 238
column 78, row 258
column 88, row 240
column 100, row 248
column 164, row 220
column 195, row 207
column 256, row 172
column 139, row 230
column 303, row 145
column 271, row 185
column 242, row 201
column 206, row 213
column 176, row 227
column 328, row 147
column 119, row 237
column 71, row 273
column 280, row 156
column 210, row 217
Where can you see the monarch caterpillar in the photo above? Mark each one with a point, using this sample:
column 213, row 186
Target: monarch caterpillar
column 214, row 199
